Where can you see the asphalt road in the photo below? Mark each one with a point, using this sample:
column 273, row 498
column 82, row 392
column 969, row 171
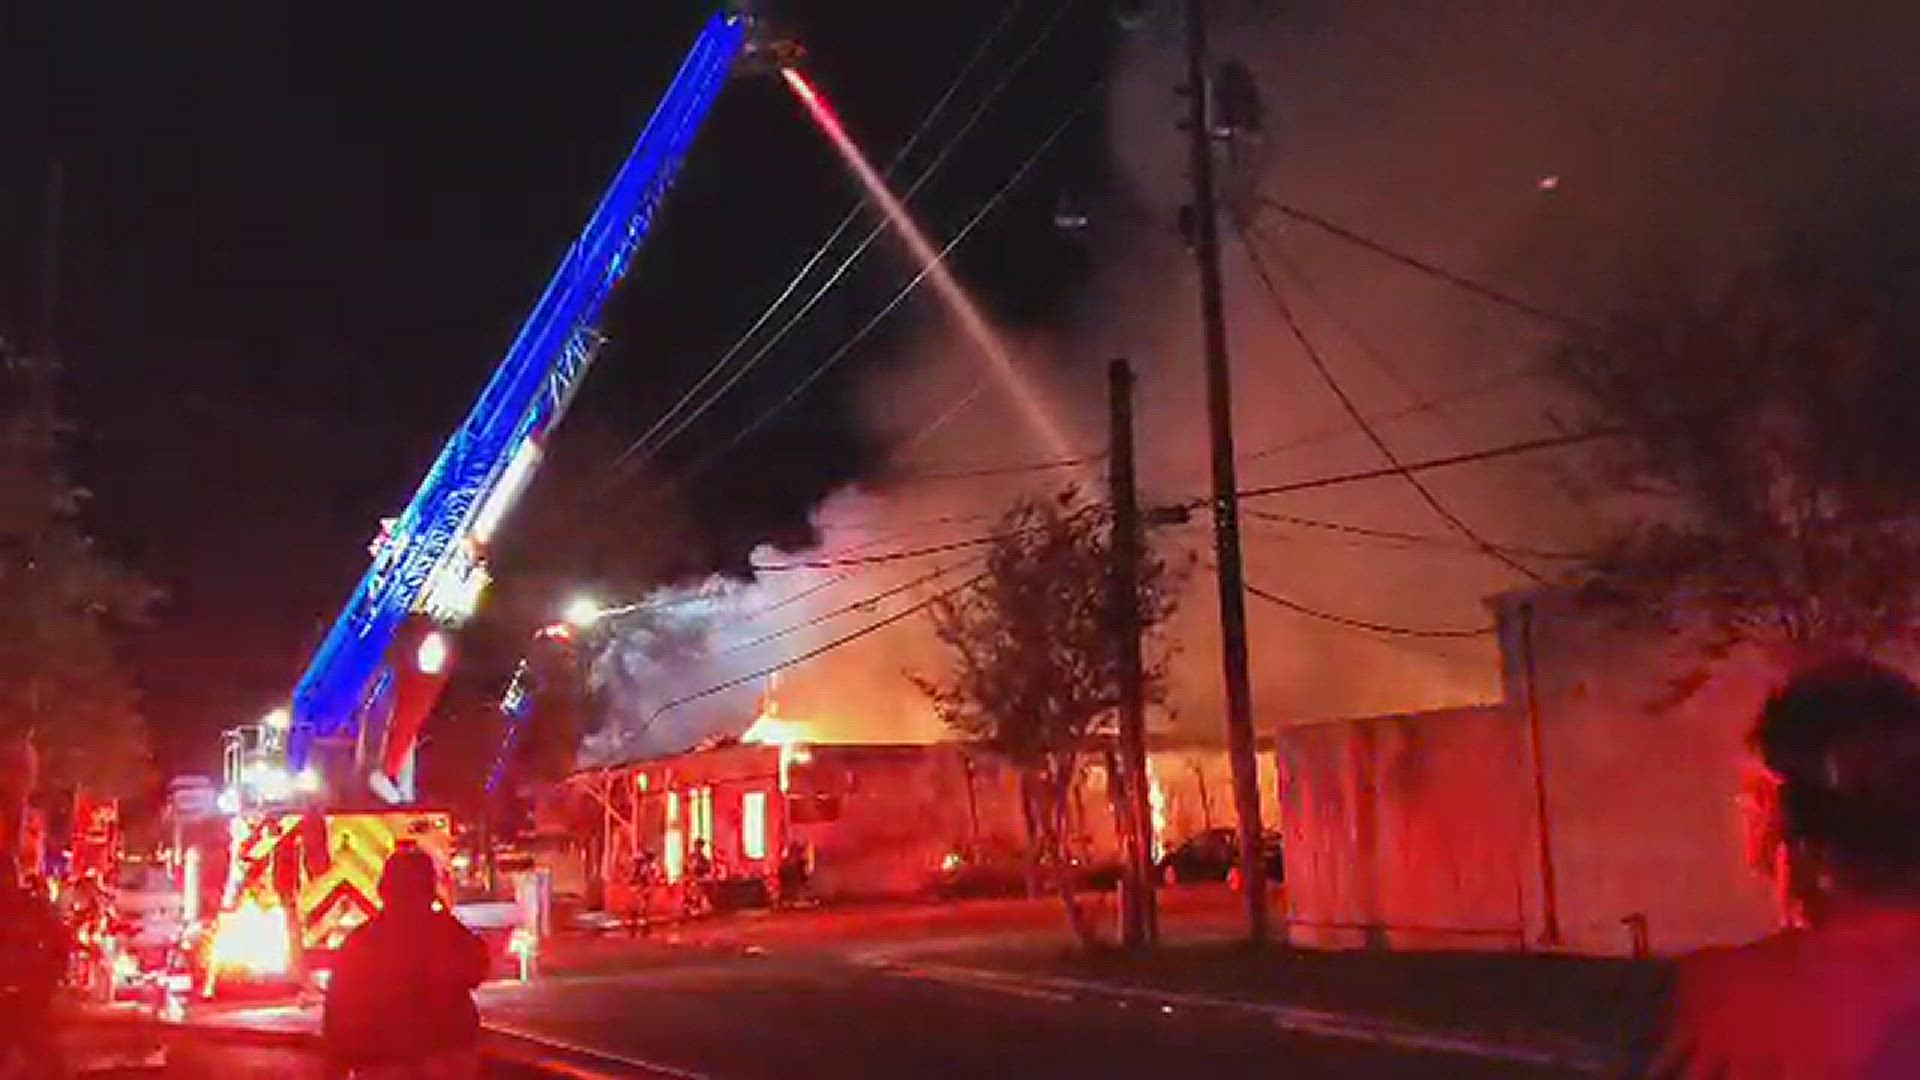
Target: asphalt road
column 703, row 1014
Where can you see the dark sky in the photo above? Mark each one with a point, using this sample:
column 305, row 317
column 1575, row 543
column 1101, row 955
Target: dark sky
column 297, row 238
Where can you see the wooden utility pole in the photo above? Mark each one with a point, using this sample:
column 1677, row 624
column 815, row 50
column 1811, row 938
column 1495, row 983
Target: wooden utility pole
column 1549, row 890
column 1226, row 504
column 1141, row 919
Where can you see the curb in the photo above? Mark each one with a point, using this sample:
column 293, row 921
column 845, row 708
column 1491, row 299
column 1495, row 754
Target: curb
column 554, row 1057
column 1567, row 1056
column 234, row 1034
column 499, row 1045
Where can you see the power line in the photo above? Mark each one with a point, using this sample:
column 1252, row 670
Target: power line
column 1356, row 337
column 1090, row 507
column 1457, row 280
column 1551, row 442
column 880, row 316
column 883, row 557
column 1426, row 494
column 741, row 618
column 906, row 526
column 788, row 601
column 1408, row 537
column 1345, row 326
column 844, row 609
column 1335, row 480
column 846, row 264
column 846, row 222
column 844, row 639
column 946, row 417
column 885, row 534
column 1365, row 625
column 1497, row 381
column 917, row 475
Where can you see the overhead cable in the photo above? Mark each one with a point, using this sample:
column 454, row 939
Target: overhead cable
column 845, row 264
column 876, row 559
column 1366, row 625
column 907, row 289
column 1460, row 281
column 1457, row 523
column 863, row 603
column 821, row 650
column 1406, row 537
column 1474, row 457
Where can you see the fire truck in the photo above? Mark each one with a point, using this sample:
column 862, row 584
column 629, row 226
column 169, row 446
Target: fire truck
column 274, row 880
column 319, row 792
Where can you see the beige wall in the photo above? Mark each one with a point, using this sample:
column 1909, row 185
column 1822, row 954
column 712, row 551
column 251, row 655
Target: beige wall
column 1415, row 825
column 1641, row 779
column 1430, row 821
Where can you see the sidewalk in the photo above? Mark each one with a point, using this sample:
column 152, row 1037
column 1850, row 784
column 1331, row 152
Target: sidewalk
column 1189, row 913
column 1579, row 1012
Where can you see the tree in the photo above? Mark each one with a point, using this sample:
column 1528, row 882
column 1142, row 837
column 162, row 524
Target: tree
column 62, row 687
column 1035, row 671
column 1770, row 455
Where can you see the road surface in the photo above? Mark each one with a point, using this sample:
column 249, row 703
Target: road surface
column 749, row 1017
column 861, row 993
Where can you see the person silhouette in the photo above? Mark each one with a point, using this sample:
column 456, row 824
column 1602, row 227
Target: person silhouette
column 33, row 956
column 1837, row 993
column 400, row 1000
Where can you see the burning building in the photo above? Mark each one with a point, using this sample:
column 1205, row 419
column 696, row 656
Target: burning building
column 872, row 819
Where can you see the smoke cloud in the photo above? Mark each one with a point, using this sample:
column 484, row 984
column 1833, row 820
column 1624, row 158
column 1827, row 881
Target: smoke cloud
column 1576, row 155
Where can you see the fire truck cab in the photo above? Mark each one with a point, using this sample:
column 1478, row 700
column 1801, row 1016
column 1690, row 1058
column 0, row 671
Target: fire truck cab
column 296, row 876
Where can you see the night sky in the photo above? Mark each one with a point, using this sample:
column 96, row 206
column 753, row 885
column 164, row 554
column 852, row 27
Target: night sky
column 296, row 241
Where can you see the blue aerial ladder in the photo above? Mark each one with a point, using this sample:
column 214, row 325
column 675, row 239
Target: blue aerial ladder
column 379, row 669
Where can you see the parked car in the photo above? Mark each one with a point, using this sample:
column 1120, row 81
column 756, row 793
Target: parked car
column 1003, row 872
column 1214, row 855
column 967, row 873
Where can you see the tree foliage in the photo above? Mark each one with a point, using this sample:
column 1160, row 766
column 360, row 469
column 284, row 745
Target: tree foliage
column 1035, row 666
column 1772, row 445
column 61, row 602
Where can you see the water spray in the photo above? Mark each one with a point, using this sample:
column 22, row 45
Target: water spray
column 1000, row 361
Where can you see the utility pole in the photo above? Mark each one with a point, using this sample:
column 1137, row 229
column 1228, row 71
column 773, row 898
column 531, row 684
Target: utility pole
column 1141, row 920
column 1549, row 890
column 1226, row 505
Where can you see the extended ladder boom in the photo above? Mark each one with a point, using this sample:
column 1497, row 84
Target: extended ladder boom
column 429, row 563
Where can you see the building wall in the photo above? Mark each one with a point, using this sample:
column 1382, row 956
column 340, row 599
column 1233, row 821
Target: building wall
column 879, row 820
column 1408, row 830
column 902, row 809
column 1643, row 746
column 1427, row 824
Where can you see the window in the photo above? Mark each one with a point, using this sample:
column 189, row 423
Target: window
column 753, row 824
column 673, row 846
column 700, row 816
